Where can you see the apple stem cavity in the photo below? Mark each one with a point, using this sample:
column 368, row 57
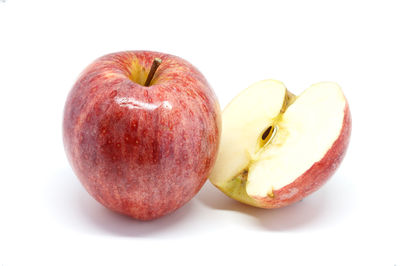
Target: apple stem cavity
column 153, row 69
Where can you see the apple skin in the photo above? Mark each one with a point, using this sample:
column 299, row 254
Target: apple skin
column 314, row 177
column 141, row 151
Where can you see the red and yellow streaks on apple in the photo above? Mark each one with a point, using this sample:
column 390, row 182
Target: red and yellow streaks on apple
column 141, row 151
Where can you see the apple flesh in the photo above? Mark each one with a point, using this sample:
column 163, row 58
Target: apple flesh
column 143, row 151
column 276, row 148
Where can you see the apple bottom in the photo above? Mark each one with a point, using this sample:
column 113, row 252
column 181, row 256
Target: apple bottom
column 144, row 205
column 142, row 189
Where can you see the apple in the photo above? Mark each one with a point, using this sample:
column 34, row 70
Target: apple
column 142, row 140
column 276, row 148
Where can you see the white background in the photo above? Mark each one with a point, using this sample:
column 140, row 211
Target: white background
column 47, row 218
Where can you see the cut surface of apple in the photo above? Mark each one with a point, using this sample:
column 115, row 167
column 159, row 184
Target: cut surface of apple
column 277, row 148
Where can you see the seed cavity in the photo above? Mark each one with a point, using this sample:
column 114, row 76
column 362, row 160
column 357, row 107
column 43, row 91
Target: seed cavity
column 267, row 136
column 266, row 133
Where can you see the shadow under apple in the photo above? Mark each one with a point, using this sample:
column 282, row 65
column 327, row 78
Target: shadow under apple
column 318, row 209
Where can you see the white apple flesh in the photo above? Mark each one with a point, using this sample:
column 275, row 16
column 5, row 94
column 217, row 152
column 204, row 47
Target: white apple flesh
column 277, row 148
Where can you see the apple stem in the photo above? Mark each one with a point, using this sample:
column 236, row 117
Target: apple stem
column 154, row 66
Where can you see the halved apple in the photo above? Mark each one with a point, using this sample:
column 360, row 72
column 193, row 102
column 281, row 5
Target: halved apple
column 276, row 148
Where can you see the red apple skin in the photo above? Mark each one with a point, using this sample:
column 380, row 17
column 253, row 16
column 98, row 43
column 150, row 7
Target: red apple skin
column 316, row 176
column 141, row 151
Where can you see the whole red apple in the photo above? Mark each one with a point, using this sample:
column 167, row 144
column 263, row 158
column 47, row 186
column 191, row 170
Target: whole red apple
column 143, row 150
